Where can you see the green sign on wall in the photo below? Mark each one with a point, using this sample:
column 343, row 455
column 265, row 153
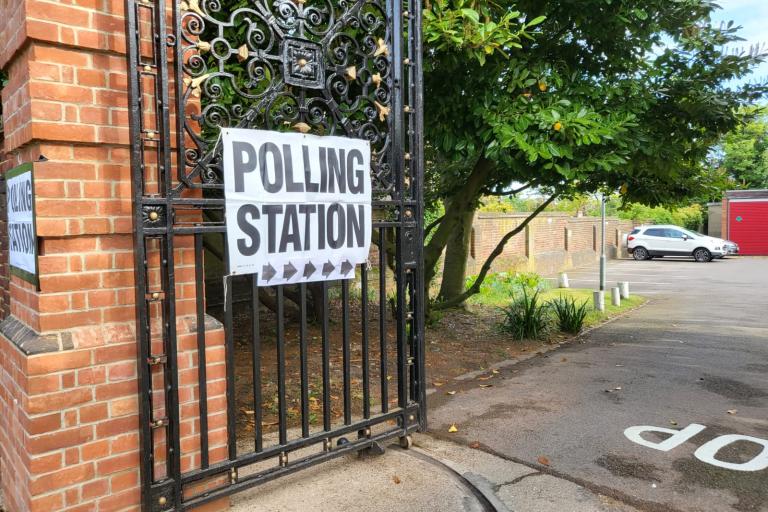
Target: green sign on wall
column 22, row 233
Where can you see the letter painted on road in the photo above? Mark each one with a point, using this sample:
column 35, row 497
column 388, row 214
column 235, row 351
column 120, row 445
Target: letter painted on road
column 706, row 453
column 675, row 439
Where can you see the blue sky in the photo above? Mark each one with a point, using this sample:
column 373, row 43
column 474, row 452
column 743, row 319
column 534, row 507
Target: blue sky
column 752, row 15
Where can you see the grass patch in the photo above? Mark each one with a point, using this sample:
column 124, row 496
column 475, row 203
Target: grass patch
column 582, row 295
column 499, row 291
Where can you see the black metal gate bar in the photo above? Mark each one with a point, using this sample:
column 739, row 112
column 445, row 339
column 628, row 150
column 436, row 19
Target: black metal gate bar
column 383, row 366
column 202, row 380
column 256, row 362
column 379, row 98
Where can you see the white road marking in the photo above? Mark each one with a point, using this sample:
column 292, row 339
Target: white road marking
column 675, row 439
column 706, row 452
column 631, row 283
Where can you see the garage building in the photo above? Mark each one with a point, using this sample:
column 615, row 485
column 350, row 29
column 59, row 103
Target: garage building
column 745, row 220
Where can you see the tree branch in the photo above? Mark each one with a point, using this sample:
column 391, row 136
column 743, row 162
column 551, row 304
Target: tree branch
column 512, row 192
column 432, row 225
column 475, row 288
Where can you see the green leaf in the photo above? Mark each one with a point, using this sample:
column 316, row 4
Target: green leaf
column 471, row 14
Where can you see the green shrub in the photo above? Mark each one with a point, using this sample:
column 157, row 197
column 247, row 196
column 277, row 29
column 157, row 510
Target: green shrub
column 570, row 315
column 498, row 288
column 527, row 317
column 529, row 280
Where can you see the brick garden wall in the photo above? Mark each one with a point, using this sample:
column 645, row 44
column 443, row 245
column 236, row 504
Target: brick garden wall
column 550, row 243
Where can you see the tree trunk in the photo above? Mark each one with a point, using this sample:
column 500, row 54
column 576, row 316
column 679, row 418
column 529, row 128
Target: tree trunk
column 475, row 288
column 456, row 257
column 463, row 200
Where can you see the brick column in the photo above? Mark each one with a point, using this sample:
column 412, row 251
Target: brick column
column 69, row 427
column 724, row 222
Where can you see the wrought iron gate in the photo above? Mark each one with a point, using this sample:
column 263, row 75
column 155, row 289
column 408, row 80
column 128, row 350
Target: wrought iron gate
column 209, row 387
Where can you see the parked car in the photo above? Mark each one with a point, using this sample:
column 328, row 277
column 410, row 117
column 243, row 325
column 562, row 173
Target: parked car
column 647, row 242
column 731, row 247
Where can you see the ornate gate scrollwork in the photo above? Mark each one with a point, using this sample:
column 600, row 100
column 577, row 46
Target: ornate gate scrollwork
column 348, row 68
column 322, row 67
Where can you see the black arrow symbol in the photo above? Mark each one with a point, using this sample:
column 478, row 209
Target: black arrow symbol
column 346, row 266
column 288, row 270
column 268, row 272
column 328, row 268
column 309, row 269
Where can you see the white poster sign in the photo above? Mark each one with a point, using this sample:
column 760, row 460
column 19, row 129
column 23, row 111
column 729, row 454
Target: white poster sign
column 298, row 207
column 22, row 241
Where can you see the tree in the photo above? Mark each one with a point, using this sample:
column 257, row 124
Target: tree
column 570, row 97
column 743, row 154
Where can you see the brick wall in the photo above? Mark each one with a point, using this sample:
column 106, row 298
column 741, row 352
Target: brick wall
column 550, row 243
column 69, row 424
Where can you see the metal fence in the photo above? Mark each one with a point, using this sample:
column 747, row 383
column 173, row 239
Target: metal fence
column 240, row 384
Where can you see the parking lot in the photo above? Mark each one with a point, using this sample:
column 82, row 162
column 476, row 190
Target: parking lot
column 695, row 358
column 660, row 276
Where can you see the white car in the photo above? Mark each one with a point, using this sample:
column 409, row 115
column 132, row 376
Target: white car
column 646, row 242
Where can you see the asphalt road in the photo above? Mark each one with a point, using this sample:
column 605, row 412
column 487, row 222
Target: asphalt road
column 697, row 353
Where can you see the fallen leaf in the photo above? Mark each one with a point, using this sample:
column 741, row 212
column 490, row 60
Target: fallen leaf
column 396, row 479
column 617, row 388
column 450, row 393
column 485, row 378
column 732, row 411
column 453, row 428
column 672, row 422
column 564, row 359
column 438, row 384
column 389, row 377
column 486, row 385
column 619, row 366
column 474, row 445
column 543, row 460
column 495, row 371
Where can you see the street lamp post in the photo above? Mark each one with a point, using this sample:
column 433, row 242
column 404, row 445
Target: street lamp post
column 599, row 295
column 602, row 244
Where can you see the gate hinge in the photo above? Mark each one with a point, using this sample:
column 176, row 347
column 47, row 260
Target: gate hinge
column 162, row 422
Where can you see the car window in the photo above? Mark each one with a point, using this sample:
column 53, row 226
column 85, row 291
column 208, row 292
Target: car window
column 674, row 233
column 655, row 232
column 635, row 231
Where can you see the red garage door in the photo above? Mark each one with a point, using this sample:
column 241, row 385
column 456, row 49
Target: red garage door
column 748, row 226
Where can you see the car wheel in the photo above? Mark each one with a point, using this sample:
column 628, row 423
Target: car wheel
column 702, row 255
column 640, row 254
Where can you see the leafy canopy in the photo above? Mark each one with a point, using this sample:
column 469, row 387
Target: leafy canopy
column 743, row 153
column 587, row 94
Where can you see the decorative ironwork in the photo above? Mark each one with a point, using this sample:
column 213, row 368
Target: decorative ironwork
column 328, row 67
column 303, row 64
column 153, row 215
column 282, row 63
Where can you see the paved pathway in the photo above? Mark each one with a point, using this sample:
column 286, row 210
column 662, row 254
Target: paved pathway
column 696, row 354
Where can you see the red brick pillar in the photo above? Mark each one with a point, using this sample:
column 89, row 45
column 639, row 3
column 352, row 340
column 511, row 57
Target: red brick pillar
column 69, row 427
